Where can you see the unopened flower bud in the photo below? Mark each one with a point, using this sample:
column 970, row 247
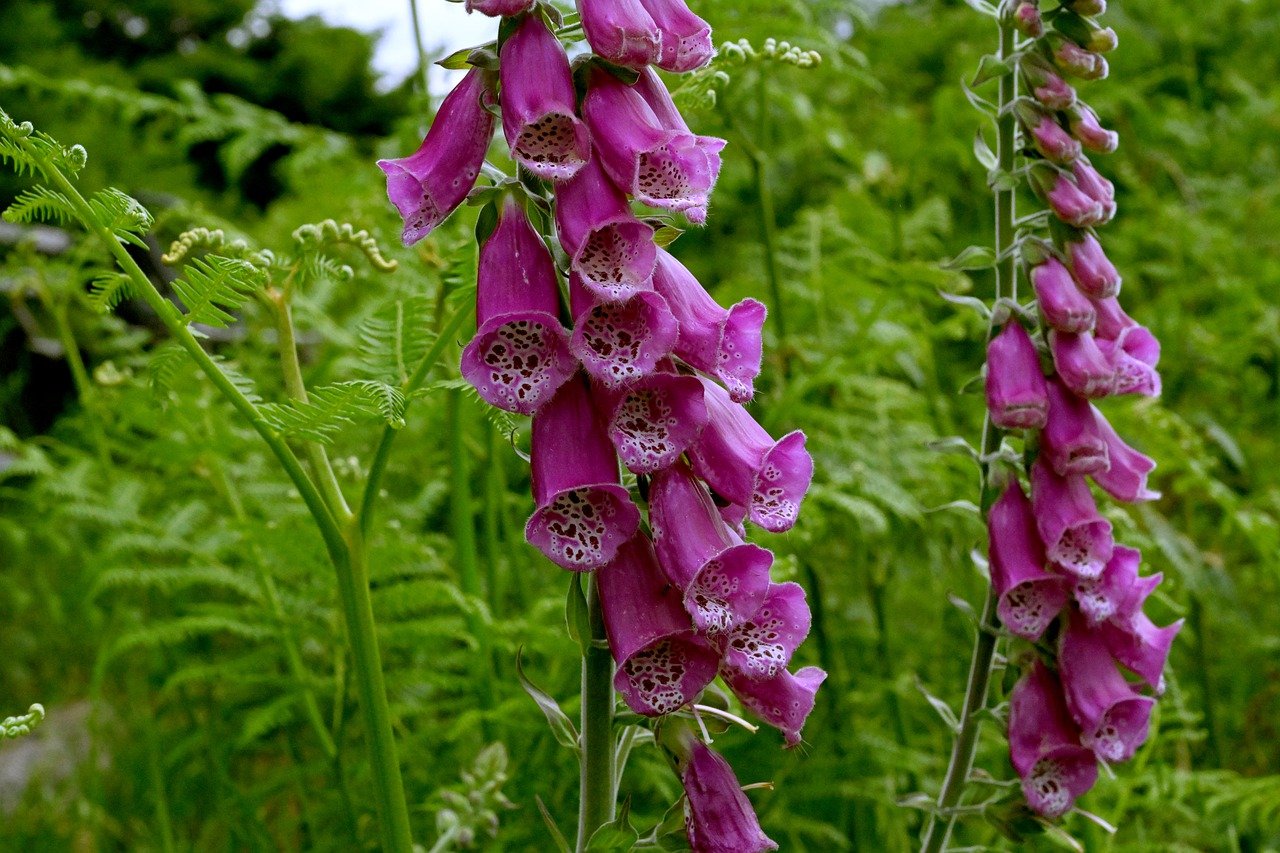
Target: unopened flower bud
column 1053, row 142
column 1087, row 7
column 1027, row 20
column 1092, row 135
column 1103, row 40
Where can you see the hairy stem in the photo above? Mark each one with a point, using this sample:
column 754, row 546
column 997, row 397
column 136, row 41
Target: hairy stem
column 938, row 828
column 596, row 782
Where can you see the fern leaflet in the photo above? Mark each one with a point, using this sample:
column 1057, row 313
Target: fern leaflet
column 332, row 406
column 214, row 286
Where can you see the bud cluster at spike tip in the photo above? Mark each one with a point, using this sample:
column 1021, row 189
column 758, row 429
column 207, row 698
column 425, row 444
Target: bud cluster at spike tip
column 652, row 371
column 1060, row 578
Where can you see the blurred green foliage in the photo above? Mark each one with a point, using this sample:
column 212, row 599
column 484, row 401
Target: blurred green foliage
column 152, row 559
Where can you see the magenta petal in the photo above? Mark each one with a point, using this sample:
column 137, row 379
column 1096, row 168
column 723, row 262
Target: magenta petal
column 784, row 701
column 1076, row 538
column 621, row 31
column 686, row 38
column 1112, row 321
column 520, row 354
column 1072, row 205
column 1053, row 142
column 662, row 664
column 499, row 8
column 620, row 342
column 1126, row 477
column 1112, row 716
column 611, row 251
column 1094, row 273
column 427, row 185
column 1064, row 306
column 1082, row 365
column 1073, row 437
column 1096, row 187
column 539, row 104
column 762, row 646
column 583, row 514
column 1055, row 93
column 718, row 816
column 725, row 344
column 1141, row 646
column 1132, row 357
column 1092, row 135
column 1103, row 597
column 656, row 420
column 1015, row 387
column 1029, row 598
column 1044, row 745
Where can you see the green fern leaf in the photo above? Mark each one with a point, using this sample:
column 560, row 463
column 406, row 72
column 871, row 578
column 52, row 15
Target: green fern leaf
column 108, row 290
column 214, row 286
column 40, row 204
column 396, row 338
column 123, row 215
column 330, row 407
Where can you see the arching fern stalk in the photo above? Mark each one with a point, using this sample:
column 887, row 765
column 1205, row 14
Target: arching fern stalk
column 220, row 278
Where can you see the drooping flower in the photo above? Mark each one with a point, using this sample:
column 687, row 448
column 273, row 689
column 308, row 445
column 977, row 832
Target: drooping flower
column 726, row 344
column 1077, row 539
column 1113, row 717
column 653, row 421
column 539, row 104
column 499, row 8
column 621, row 31
column 1065, row 307
column 1105, row 596
column 1046, row 85
column 718, row 816
column 1126, row 477
column 430, row 183
column 583, row 514
column 520, row 354
column 1072, row 205
column 1133, row 356
column 1091, row 268
column 1072, row 438
column 1053, row 142
column 610, row 250
column 783, row 701
column 620, row 342
column 1075, row 60
column 1084, row 368
column 1095, row 187
column 739, row 459
column 1029, row 597
column 762, row 646
column 1044, row 745
column 1015, row 388
column 686, row 38
column 1140, row 645
column 1092, row 135
column 662, row 663
column 723, row 580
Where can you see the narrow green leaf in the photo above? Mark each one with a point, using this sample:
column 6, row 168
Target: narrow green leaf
column 990, row 67
column 972, row 258
column 561, row 726
column 556, row 835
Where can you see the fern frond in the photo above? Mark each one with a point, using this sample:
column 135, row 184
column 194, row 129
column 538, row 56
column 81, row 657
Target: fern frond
column 243, row 383
column 163, row 369
column 265, row 719
column 396, row 338
column 169, row 580
column 39, row 203
column 332, row 406
column 213, row 240
column 108, row 290
column 214, row 286
column 320, row 235
column 174, row 631
column 123, row 215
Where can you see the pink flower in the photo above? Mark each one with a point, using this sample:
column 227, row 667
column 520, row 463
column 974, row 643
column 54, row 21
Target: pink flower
column 1044, row 745
column 1029, row 596
column 718, row 816
column 1015, row 389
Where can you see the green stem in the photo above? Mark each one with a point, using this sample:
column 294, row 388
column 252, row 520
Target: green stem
column 938, row 829
column 596, row 782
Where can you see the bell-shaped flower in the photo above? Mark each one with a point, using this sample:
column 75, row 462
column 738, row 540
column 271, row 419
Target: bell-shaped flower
column 1082, row 365
column 1076, row 538
column 611, row 251
column 1126, row 477
column 686, row 38
column 1092, row 270
column 430, row 183
column 1015, row 386
column 726, row 344
column 742, row 462
column 1065, row 307
column 1092, row 135
column 1071, row 204
column 1053, row 142
column 1044, row 745
column 653, row 421
column 1133, row 356
column 499, row 8
column 1072, row 439
column 723, row 580
column 783, row 701
column 1096, row 187
column 1075, row 60
column 620, row 342
column 662, row 663
column 520, row 354
column 718, row 816
column 583, row 514
column 1113, row 717
column 1141, row 646
column 1054, row 93
column 659, row 166
column 1105, row 596
column 762, row 646
column 621, row 31
column 1029, row 598
column 539, row 104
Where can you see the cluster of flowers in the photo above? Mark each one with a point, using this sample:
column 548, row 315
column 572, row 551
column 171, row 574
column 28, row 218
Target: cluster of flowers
column 653, row 371
column 1059, row 575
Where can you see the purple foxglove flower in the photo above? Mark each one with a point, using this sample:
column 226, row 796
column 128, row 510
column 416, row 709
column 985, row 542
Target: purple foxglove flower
column 738, row 458
column 784, row 701
column 1126, row 477
column 611, row 251
column 621, row 31
column 583, row 515
column 1055, row 93
column 1044, row 745
column 1065, row 307
column 724, row 581
column 620, row 342
column 686, row 38
column 1141, row 646
column 654, row 421
column 1029, row 597
column 1053, row 142
column 1133, row 355
column 1112, row 320
column 1103, row 597
column 1112, row 716
column 427, row 185
column 662, row 663
column 1082, row 365
column 1096, row 187
column 725, row 344
column 1092, row 270
column 499, row 8
column 1075, row 60
column 1072, row 205
column 1092, row 135
column 1027, row 20
column 762, row 646
column 539, row 104
column 1076, row 538
column 718, row 816
column 1015, row 387
column 661, row 167
column 1073, row 439
column 520, row 354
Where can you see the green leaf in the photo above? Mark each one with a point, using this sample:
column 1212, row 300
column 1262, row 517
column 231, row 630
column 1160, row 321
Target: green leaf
column 561, row 726
column 972, row 258
column 576, row 616
column 121, row 214
column 983, row 151
column 40, row 203
column 990, row 67
column 616, row 836
column 556, row 835
column 331, row 407
column 214, row 286
column 108, row 290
